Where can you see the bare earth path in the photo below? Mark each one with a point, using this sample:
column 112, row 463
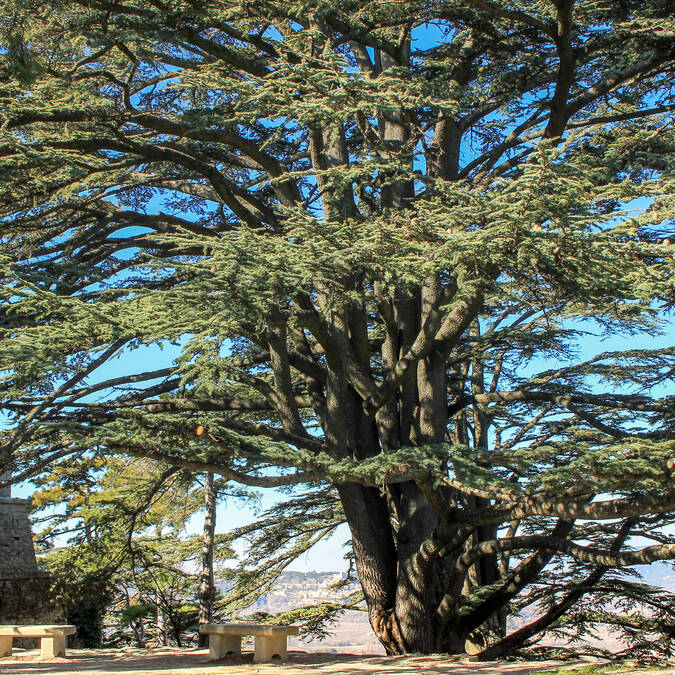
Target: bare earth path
column 170, row 661
column 187, row 661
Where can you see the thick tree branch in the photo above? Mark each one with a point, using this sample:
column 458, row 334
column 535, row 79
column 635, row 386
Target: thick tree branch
column 597, row 556
column 435, row 327
column 520, row 636
column 220, row 469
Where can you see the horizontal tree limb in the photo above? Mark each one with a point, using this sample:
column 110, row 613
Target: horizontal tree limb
column 570, row 510
column 589, row 554
column 220, row 469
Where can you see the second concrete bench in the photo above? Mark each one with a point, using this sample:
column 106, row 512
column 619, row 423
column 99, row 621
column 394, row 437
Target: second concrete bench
column 225, row 638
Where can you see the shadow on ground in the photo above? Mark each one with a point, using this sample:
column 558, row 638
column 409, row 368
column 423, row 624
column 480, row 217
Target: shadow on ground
column 187, row 661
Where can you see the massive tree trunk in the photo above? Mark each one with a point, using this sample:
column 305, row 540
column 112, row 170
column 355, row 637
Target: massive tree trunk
column 406, row 550
column 404, row 583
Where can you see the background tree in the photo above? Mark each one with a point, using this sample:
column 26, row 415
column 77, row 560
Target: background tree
column 379, row 233
column 207, row 588
column 124, row 566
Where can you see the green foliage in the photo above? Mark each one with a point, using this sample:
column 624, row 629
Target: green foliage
column 589, row 669
column 84, row 587
column 127, row 558
column 141, row 610
column 596, row 669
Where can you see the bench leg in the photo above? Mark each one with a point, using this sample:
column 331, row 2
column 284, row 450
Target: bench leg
column 5, row 645
column 222, row 645
column 268, row 647
column 52, row 647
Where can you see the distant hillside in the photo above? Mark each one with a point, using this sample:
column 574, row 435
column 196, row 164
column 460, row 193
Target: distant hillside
column 352, row 634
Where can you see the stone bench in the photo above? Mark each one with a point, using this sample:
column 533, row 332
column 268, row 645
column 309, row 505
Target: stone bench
column 52, row 638
column 270, row 641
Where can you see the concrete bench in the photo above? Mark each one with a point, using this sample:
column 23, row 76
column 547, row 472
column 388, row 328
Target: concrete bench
column 52, row 638
column 270, row 641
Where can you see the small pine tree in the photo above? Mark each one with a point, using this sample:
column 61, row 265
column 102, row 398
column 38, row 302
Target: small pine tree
column 114, row 539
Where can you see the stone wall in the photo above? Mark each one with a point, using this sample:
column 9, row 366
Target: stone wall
column 25, row 595
column 17, row 555
column 28, row 600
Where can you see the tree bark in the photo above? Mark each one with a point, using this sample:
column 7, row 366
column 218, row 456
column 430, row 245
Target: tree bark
column 402, row 588
column 207, row 589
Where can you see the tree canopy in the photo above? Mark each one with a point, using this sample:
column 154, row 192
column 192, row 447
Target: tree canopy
column 379, row 233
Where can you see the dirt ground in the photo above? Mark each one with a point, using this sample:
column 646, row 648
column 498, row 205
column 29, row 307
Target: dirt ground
column 188, row 661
